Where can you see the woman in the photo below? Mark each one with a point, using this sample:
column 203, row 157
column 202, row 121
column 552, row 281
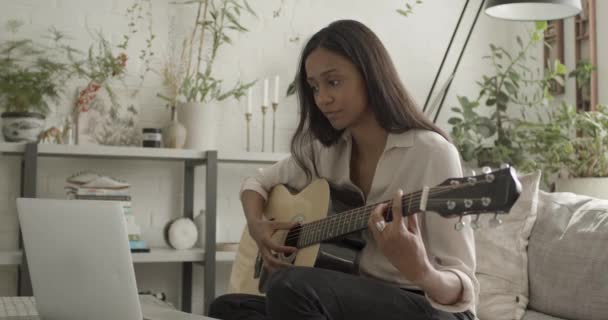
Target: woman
column 360, row 129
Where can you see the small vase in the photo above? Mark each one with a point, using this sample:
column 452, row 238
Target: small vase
column 22, row 126
column 174, row 135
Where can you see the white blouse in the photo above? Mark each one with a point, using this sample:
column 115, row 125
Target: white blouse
column 410, row 161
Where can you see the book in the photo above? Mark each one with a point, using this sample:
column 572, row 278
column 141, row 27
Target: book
column 102, row 197
column 97, row 191
column 138, row 246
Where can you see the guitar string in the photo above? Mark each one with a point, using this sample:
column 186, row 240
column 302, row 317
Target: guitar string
column 313, row 233
column 357, row 221
column 335, row 220
column 331, row 221
column 360, row 222
column 319, row 226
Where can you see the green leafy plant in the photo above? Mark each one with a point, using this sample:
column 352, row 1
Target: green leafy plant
column 493, row 139
column 102, row 62
column 140, row 13
column 30, row 74
column 582, row 73
column 189, row 76
column 409, row 8
column 99, row 64
column 571, row 143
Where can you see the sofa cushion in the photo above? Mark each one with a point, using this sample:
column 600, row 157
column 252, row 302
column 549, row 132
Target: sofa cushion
column 533, row 315
column 502, row 264
column 568, row 257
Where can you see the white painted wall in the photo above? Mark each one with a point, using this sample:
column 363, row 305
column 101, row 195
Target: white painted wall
column 602, row 51
column 416, row 44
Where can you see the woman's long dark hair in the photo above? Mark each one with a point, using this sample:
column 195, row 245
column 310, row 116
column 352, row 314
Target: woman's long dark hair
column 392, row 105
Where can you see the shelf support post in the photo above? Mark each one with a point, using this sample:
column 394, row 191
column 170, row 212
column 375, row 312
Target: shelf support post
column 210, row 227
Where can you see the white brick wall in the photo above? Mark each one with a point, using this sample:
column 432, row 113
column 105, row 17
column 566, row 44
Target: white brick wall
column 416, row 44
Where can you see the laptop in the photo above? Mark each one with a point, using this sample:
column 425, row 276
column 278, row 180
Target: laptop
column 80, row 262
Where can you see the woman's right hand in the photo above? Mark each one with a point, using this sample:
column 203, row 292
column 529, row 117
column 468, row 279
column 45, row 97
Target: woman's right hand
column 261, row 231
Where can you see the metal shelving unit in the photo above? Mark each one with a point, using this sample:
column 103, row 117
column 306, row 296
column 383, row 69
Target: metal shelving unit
column 156, row 255
column 206, row 256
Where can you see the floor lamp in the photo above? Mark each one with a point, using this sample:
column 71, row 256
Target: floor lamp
column 522, row 10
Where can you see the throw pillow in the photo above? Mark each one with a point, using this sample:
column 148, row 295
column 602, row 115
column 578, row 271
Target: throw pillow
column 568, row 258
column 502, row 261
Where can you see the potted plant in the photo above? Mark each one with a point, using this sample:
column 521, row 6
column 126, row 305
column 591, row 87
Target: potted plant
column 489, row 137
column 571, row 149
column 189, row 77
column 582, row 74
column 30, row 76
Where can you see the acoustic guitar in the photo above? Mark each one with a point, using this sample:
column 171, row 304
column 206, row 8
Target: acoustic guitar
column 330, row 220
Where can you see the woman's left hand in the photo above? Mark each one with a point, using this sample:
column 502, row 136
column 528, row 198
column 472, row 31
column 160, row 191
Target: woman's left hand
column 400, row 240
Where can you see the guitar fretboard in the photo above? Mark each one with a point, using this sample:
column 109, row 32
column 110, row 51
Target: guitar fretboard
column 350, row 221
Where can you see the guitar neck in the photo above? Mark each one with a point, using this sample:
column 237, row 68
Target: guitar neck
column 350, row 221
column 492, row 192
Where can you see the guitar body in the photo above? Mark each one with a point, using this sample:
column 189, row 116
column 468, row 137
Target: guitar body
column 313, row 203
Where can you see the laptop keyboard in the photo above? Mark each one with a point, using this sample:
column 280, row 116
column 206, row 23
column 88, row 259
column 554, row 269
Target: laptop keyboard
column 18, row 308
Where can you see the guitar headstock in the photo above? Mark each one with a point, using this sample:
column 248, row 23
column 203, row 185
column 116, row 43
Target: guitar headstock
column 490, row 192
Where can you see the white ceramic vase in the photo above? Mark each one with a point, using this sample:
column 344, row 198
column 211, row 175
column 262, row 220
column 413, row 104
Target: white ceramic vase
column 201, row 123
column 174, row 134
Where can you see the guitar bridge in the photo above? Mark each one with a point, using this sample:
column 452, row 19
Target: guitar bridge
column 257, row 270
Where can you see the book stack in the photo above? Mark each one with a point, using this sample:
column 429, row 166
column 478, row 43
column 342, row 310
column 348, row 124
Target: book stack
column 92, row 186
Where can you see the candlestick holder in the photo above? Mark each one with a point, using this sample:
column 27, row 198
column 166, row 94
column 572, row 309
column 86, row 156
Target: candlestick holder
column 248, row 120
column 264, row 108
column 275, row 106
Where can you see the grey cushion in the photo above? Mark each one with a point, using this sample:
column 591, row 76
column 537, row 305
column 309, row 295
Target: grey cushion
column 533, row 315
column 568, row 257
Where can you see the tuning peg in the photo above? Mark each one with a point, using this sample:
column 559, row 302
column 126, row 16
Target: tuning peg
column 460, row 225
column 505, row 166
column 495, row 222
column 486, row 170
column 475, row 223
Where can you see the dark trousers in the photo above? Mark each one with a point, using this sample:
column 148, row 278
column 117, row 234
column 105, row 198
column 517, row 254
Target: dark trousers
column 300, row 293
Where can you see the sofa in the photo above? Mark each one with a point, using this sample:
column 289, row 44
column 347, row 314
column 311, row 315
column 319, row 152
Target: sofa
column 548, row 260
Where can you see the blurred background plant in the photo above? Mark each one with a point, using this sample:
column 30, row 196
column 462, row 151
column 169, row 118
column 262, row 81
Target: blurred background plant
column 582, row 74
column 31, row 74
column 189, row 75
column 409, row 8
column 489, row 140
column 570, row 144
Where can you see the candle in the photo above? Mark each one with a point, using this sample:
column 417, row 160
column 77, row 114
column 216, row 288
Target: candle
column 276, row 89
column 265, row 93
column 249, row 100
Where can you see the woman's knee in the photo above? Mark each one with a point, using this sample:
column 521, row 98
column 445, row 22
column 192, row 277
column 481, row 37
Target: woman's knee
column 286, row 283
column 229, row 305
column 220, row 305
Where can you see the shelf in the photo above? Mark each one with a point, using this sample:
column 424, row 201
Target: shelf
column 225, row 256
column 250, row 157
column 169, row 255
column 11, row 148
column 13, row 258
column 99, row 151
column 10, row 258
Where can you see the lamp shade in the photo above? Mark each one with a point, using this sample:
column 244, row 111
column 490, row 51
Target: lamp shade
column 532, row 10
